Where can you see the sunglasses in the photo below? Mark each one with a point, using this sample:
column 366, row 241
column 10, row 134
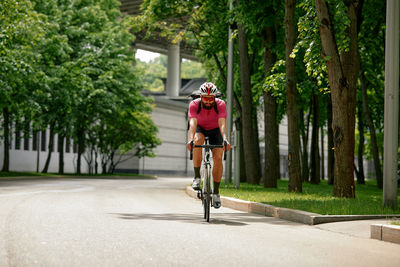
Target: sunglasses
column 208, row 98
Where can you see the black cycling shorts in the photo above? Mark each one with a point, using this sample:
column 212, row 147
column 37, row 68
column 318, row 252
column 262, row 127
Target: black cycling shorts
column 214, row 135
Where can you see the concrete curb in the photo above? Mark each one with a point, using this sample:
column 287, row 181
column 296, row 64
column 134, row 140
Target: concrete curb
column 386, row 232
column 288, row 214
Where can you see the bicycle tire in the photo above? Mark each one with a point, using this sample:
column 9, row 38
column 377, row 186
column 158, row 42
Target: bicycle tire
column 204, row 205
column 207, row 195
column 203, row 194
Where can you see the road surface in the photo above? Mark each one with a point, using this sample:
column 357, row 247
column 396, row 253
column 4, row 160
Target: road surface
column 112, row 222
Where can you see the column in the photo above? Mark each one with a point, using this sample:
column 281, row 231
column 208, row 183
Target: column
column 391, row 104
column 174, row 71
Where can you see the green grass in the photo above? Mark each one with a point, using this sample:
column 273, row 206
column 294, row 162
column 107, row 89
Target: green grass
column 315, row 198
column 395, row 223
column 5, row 175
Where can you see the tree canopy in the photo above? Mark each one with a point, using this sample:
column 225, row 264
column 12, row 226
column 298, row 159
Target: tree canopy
column 74, row 74
column 318, row 55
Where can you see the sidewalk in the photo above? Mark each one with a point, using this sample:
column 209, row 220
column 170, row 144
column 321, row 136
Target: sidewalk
column 366, row 226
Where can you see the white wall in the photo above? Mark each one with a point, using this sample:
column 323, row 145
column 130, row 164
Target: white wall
column 171, row 155
column 27, row 160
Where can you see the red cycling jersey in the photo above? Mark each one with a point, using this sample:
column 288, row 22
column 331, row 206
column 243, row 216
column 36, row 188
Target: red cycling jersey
column 207, row 118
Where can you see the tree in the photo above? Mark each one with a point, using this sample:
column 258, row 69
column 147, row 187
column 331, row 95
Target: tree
column 360, row 148
column 313, row 87
column 69, row 63
column 53, row 97
column 209, row 36
column 271, row 153
column 342, row 67
column 247, row 112
column 21, row 31
column 315, row 159
column 371, row 51
column 271, row 34
column 291, row 106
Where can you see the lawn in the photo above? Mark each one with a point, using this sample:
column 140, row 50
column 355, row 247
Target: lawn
column 315, row 198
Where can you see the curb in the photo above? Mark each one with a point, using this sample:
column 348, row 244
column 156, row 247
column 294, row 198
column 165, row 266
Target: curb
column 385, row 232
column 288, row 214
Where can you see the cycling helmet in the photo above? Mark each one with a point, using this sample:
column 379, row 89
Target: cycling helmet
column 208, row 89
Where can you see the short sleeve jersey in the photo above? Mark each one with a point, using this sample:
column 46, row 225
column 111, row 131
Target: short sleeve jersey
column 207, row 118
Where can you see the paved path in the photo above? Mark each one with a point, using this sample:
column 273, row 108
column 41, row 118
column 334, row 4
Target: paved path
column 105, row 222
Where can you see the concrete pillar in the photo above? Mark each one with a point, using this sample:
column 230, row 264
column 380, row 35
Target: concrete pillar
column 229, row 101
column 174, row 71
column 391, row 123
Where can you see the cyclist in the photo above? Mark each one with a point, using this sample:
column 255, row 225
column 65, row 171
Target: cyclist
column 207, row 118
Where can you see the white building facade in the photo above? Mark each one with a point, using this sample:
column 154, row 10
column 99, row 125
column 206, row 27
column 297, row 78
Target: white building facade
column 30, row 154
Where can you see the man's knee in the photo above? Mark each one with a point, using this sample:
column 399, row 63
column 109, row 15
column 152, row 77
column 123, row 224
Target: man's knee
column 217, row 156
column 199, row 139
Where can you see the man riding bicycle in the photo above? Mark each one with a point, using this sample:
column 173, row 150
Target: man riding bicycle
column 207, row 118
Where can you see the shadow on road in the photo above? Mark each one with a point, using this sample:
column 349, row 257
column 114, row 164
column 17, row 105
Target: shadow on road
column 232, row 219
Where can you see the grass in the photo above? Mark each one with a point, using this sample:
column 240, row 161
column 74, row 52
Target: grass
column 7, row 175
column 315, row 198
column 395, row 222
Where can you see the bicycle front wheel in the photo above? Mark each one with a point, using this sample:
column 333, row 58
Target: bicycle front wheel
column 207, row 194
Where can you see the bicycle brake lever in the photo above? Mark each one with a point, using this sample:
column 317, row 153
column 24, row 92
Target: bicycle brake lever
column 225, row 144
column 191, row 150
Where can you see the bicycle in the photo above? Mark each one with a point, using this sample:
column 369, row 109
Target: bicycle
column 205, row 193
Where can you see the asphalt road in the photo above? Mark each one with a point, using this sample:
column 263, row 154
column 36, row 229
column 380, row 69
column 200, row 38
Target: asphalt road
column 110, row 222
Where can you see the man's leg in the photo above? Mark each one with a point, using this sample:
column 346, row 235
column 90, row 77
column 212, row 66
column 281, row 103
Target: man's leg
column 218, row 167
column 197, row 157
column 197, row 152
column 217, row 174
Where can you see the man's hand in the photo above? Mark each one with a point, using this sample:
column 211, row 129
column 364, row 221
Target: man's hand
column 228, row 146
column 189, row 145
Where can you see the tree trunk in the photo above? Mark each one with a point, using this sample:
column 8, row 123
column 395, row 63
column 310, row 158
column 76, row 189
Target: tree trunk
column 242, row 174
column 271, row 126
column 295, row 184
column 372, row 132
column 315, row 160
column 104, row 164
column 50, row 147
column 257, row 142
column 61, row 154
column 96, row 164
column 243, row 177
column 112, row 166
column 305, row 170
column 331, row 158
column 6, row 127
column 322, row 154
column 342, row 73
column 81, row 148
column 271, row 164
column 360, row 173
column 250, row 150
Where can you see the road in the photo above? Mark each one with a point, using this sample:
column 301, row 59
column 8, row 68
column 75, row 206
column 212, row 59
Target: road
column 111, row 222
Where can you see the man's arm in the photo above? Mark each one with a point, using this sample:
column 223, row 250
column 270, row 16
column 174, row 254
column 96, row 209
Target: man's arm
column 192, row 131
column 222, row 128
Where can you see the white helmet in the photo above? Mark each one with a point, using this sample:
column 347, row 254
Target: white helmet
column 208, row 89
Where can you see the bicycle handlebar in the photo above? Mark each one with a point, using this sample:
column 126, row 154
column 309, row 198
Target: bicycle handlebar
column 207, row 146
